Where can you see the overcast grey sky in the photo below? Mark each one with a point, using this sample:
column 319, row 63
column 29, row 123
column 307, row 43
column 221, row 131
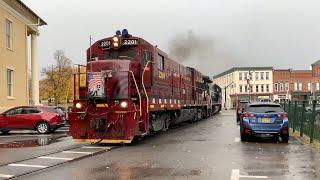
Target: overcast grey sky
column 280, row 33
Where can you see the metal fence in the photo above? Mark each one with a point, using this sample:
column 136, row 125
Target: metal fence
column 304, row 116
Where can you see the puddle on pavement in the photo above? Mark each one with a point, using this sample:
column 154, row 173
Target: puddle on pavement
column 134, row 172
column 41, row 141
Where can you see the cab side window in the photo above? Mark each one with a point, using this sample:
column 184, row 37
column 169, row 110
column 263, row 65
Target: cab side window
column 161, row 62
column 146, row 56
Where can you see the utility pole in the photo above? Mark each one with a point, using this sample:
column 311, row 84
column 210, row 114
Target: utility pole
column 249, row 86
column 225, row 95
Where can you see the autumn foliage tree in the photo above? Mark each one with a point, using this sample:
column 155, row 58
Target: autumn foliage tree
column 57, row 82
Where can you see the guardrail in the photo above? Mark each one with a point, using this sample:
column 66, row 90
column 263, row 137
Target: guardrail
column 304, row 117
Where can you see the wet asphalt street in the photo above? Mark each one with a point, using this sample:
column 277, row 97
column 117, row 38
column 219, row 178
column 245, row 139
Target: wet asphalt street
column 209, row 149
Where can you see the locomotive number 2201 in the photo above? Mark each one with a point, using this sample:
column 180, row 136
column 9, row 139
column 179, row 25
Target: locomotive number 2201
column 130, row 42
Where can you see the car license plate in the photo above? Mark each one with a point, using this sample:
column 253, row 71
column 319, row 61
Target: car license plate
column 265, row 120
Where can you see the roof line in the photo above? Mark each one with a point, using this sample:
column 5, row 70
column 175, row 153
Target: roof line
column 243, row 69
column 32, row 12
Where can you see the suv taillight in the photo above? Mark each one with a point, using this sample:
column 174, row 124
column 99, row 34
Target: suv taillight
column 246, row 114
column 284, row 115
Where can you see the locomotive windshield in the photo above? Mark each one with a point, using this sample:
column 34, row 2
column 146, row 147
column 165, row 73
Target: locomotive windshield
column 122, row 53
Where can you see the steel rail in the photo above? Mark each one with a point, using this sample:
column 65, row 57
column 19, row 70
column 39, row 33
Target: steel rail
column 54, row 165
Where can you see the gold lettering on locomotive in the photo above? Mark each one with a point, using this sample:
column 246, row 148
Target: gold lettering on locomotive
column 162, row 75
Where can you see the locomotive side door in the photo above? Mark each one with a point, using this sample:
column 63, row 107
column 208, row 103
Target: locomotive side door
column 193, row 85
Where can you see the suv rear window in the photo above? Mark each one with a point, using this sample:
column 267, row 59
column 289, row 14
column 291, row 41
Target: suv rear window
column 265, row 108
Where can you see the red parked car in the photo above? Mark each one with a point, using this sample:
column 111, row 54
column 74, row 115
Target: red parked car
column 43, row 119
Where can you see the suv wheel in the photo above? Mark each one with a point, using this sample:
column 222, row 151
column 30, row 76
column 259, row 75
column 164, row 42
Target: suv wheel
column 285, row 139
column 43, row 128
column 243, row 137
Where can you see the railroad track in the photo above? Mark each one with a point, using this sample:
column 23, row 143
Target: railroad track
column 18, row 169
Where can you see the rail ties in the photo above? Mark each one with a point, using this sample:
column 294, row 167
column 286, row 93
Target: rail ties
column 24, row 167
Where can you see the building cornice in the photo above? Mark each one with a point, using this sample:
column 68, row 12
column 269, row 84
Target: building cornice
column 32, row 25
column 242, row 69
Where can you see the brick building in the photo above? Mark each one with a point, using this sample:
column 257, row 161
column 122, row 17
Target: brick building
column 291, row 84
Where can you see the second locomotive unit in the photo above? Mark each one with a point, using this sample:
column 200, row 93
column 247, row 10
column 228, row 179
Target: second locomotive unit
column 131, row 88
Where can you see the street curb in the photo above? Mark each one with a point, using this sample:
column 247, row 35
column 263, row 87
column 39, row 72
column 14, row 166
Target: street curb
column 305, row 139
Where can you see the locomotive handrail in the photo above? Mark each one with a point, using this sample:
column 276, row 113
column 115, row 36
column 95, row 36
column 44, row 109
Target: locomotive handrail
column 144, row 88
column 135, row 82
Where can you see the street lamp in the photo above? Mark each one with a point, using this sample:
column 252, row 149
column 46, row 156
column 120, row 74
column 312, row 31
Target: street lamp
column 225, row 95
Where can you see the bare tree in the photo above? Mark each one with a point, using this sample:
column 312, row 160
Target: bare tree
column 58, row 77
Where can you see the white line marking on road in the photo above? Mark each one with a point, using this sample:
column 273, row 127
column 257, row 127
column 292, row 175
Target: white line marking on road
column 256, row 177
column 55, row 158
column 77, row 152
column 236, row 139
column 95, row 147
column 5, row 176
column 235, row 174
column 27, row 165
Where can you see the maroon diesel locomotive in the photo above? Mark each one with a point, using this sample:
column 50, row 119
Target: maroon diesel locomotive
column 130, row 88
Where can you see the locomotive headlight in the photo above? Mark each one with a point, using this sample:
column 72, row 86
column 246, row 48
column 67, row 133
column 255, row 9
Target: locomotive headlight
column 123, row 104
column 115, row 39
column 78, row 105
column 115, row 44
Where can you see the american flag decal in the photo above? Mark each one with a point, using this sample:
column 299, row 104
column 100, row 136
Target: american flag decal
column 95, row 81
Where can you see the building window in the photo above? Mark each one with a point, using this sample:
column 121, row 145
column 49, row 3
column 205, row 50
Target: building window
column 281, row 86
column 296, row 86
column 262, row 88
column 318, row 86
column 9, row 82
column 267, row 75
column 300, row 86
column 257, row 76
column 160, row 62
column 267, row 87
column 250, row 76
column 276, row 87
column 245, row 88
column 240, row 87
column 251, row 88
column 245, row 76
column 8, row 34
column 287, row 86
column 257, row 88
column 261, row 75
column 309, row 86
column 240, row 76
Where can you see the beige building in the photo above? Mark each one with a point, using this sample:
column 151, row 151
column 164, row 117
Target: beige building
column 245, row 83
column 18, row 28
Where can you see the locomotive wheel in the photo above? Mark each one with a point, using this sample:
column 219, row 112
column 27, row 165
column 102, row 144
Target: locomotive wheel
column 159, row 122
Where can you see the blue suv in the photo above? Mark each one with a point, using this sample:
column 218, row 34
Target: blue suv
column 264, row 118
